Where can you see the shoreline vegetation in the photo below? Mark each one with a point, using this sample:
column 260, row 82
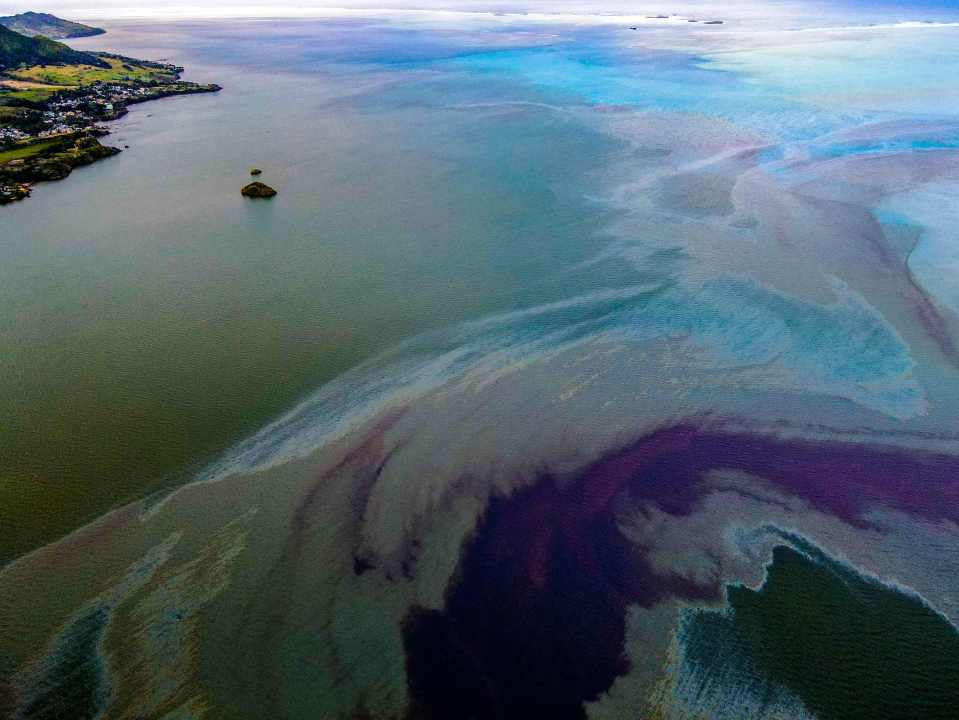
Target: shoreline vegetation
column 52, row 111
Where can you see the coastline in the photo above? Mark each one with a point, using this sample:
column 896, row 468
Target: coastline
column 76, row 114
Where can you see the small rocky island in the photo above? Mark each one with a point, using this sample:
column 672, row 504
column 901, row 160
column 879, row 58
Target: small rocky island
column 53, row 101
column 257, row 190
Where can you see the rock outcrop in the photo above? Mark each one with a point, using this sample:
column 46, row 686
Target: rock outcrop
column 258, row 190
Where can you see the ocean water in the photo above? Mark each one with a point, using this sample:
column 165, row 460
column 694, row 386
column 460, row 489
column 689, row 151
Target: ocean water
column 152, row 316
column 567, row 359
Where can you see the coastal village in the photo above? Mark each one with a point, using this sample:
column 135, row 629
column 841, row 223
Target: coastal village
column 69, row 111
column 52, row 113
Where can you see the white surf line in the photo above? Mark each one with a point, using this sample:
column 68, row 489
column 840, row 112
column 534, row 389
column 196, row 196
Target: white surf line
column 189, row 12
column 904, row 25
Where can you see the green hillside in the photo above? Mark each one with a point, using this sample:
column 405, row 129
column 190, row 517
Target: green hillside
column 17, row 50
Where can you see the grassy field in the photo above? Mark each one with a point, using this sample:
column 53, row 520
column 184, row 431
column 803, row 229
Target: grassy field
column 30, row 95
column 74, row 75
column 26, row 85
column 25, row 151
column 48, row 79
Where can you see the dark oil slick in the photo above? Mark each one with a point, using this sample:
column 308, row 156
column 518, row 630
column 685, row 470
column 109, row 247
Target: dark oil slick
column 535, row 619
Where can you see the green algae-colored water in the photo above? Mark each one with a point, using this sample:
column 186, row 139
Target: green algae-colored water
column 150, row 315
column 848, row 647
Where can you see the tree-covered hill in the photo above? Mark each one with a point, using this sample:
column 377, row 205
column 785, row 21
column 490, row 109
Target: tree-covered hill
column 17, row 49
